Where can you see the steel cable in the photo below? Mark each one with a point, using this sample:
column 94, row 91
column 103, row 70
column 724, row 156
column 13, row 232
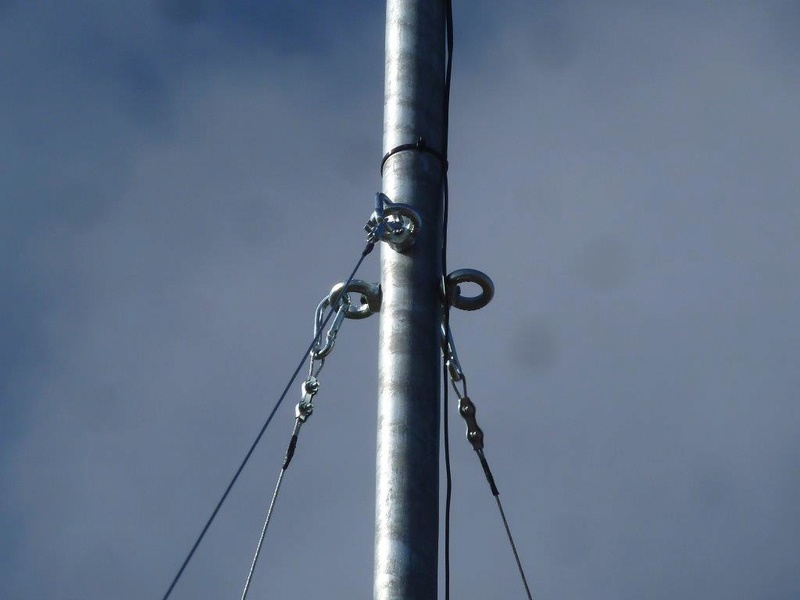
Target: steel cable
column 513, row 547
column 263, row 534
column 289, row 453
column 368, row 248
column 490, row 479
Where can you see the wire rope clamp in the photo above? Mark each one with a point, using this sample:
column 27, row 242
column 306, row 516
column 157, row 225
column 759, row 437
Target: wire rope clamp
column 370, row 299
column 395, row 223
column 474, row 433
column 303, row 410
column 453, row 290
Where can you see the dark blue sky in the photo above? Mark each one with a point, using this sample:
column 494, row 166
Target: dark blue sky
column 183, row 181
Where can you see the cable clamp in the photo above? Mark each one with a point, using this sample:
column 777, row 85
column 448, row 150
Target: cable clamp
column 466, row 409
column 308, row 389
column 418, row 146
column 395, row 223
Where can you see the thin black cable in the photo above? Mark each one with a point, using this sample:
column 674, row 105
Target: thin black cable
column 448, row 485
column 255, row 443
column 445, row 423
column 448, row 5
column 448, row 74
column 446, row 397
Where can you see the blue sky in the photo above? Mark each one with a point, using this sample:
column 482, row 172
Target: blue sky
column 184, row 180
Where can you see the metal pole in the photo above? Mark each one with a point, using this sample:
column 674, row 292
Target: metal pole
column 407, row 493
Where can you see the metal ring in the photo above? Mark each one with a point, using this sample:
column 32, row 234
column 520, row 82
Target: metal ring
column 403, row 238
column 370, row 298
column 406, row 211
column 468, row 276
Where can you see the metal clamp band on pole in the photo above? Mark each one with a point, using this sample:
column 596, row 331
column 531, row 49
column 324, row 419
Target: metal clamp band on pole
column 419, row 146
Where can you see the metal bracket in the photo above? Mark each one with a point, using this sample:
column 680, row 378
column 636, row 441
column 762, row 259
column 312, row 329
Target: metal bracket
column 453, row 290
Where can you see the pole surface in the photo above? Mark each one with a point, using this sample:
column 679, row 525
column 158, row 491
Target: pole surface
column 407, row 493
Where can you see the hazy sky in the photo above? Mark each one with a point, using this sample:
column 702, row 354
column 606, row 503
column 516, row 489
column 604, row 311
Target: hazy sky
column 184, row 180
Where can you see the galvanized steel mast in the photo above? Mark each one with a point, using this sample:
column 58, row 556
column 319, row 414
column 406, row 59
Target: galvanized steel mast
column 407, row 493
